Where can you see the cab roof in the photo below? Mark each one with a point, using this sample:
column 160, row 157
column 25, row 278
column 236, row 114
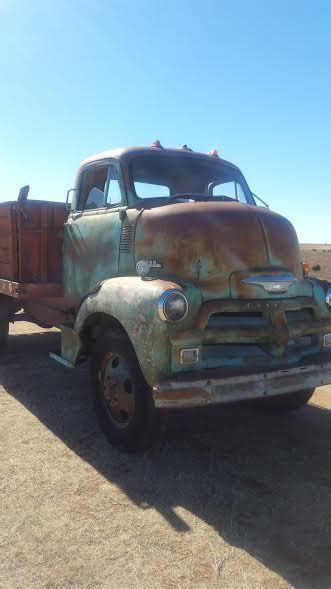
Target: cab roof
column 125, row 153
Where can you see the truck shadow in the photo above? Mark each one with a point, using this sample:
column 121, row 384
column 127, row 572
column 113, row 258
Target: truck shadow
column 262, row 482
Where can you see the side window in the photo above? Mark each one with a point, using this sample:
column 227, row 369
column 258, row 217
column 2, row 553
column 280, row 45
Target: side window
column 100, row 188
column 113, row 188
column 95, row 199
column 92, row 190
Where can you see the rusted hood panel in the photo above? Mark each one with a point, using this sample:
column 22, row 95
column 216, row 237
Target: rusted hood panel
column 281, row 241
column 206, row 242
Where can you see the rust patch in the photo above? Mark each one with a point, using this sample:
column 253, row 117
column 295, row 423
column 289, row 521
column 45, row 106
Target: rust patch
column 205, row 242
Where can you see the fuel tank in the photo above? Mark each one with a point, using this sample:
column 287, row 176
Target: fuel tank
column 217, row 244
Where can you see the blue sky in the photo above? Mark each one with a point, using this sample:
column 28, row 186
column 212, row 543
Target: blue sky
column 251, row 78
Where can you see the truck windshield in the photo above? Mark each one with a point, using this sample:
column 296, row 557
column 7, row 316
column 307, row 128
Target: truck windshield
column 162, row 178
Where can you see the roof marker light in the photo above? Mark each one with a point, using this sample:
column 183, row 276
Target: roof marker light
column 306, row 268
column 157, row 143
column 185, row 147
column 214, row 152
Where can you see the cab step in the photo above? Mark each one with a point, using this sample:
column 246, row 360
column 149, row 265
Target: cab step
column 71, row 347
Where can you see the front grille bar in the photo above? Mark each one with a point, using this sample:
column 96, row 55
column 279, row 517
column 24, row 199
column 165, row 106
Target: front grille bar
column 278, row 331
column 252, row 306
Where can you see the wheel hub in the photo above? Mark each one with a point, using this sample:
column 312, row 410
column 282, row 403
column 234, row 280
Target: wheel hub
column 117, row 386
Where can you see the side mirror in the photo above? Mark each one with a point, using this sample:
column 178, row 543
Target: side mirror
column 23, row 193
column 71, row 203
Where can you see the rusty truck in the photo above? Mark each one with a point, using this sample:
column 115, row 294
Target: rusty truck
column 166, row 274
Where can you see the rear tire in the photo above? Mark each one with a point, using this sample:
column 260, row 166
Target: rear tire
column 286, row 402
column 122, row 398
column 4, row 322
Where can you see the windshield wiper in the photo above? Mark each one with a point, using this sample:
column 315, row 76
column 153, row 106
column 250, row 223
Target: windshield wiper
column 260, row 199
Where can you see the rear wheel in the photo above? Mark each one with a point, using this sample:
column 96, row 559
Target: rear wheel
column 4, row 322
column 123, row 400
column 287, row 402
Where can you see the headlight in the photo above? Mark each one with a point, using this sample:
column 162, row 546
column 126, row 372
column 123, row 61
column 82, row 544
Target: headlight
column 328, row 298
column 172, row 306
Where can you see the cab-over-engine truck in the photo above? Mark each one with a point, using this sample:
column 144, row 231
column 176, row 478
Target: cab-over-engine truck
column 176, row 286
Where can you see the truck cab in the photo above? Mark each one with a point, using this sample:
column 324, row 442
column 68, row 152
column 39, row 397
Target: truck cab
column 168, row 256
column 182, row 291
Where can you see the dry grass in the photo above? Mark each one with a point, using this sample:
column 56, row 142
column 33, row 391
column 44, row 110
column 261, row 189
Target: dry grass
column 318, row 254
column 229, row 498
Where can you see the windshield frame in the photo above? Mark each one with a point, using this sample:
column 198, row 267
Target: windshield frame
column 215, row 161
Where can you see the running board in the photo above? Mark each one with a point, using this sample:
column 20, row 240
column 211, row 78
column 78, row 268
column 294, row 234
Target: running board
column 71, row 347
column 61, row 360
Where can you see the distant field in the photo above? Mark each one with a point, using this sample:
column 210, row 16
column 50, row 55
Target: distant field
column 317, row 254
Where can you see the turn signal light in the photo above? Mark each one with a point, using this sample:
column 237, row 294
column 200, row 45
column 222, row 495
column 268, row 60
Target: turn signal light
column 306, row 268
column 189, row 356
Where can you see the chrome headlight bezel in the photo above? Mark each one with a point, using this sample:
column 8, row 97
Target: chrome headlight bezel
column 328, row 298
column 164, row 299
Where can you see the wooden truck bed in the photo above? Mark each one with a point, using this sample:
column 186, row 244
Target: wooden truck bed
column 31, row 249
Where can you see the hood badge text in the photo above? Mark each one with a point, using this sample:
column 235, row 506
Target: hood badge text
column 144, row 268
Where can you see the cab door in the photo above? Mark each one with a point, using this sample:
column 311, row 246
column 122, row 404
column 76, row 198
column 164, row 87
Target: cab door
column 93, row 230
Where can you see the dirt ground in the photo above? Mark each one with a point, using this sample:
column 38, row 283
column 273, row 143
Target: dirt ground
column 318, row 254
column 228, row 498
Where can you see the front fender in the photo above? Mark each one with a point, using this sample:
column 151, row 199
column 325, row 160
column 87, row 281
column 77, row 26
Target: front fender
column 133, row 303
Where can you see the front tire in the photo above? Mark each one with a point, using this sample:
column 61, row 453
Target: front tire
column 122, row 398
column 287, row 402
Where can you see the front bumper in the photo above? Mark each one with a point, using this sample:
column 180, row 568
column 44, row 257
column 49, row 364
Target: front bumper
column 194, row 392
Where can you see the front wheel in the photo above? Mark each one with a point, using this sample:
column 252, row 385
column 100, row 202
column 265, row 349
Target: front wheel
column 286, row 402
column 122, row 398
